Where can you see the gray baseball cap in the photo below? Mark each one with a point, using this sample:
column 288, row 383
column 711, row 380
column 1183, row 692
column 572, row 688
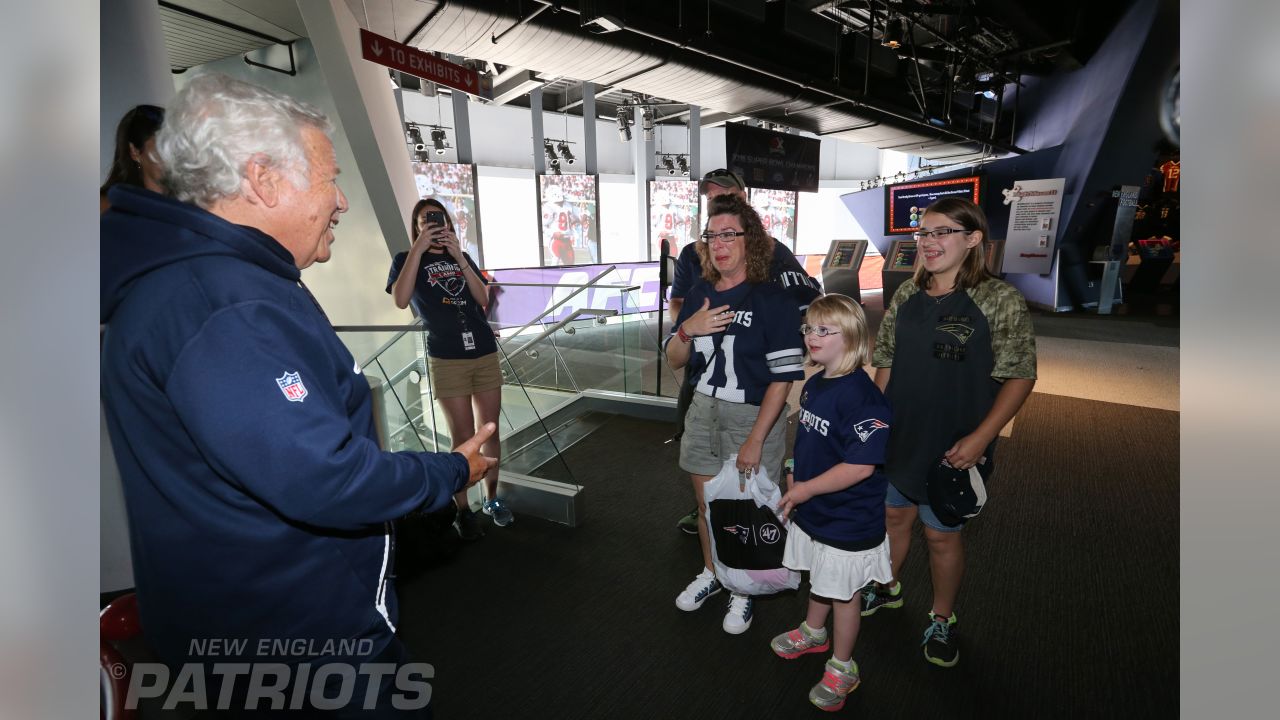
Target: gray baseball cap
column 724, row 178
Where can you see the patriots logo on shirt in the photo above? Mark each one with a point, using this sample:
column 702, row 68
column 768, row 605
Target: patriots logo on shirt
column 958, row 331
column 742, row 532
column 804, row 398
column 868, row 427
column 292, row 387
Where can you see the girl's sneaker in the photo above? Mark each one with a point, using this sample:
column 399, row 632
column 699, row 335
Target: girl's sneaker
column 836, row 685
column 738, row 618
column 794, row 643
column 702, row 587
column 940, row 641
column 498, row 510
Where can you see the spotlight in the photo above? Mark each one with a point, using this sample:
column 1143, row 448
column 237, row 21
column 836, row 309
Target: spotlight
column 894, row 33
column 415, row 135
column 421, row 155
column 437, row 140
column 624, row 124
column 555, row 166
column 682, row 162
column 647, row 120
column 564, row 152
column 551, row 153
column 668, row 164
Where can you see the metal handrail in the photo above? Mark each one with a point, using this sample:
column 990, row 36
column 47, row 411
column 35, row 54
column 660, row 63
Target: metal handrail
column 551, row 310
column 590, row 312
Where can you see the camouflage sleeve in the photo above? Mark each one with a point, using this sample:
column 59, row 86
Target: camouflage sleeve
column 882, row 356
column 1013, row 340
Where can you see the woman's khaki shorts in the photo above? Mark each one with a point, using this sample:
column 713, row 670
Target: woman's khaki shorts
column 715, row 429
column 468, row 376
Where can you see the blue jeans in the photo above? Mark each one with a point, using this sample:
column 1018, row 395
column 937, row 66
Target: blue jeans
column 895, row 499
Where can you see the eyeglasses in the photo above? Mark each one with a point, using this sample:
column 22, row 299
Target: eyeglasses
column 819, row 330
column 939, row 233
column 725, row 237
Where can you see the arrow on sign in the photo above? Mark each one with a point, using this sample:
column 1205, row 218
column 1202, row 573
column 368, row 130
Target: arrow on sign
column 376, row 48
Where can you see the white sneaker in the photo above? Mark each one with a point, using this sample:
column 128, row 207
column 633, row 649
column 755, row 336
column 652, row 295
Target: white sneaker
column 738, row 619
column 702, row 587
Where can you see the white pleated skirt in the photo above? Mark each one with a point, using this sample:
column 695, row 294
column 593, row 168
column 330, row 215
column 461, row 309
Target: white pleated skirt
column 834, row 573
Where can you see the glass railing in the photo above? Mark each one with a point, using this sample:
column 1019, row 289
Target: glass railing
column 592, row 336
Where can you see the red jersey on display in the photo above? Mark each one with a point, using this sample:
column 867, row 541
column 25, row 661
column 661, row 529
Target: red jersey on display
column 1172, row 172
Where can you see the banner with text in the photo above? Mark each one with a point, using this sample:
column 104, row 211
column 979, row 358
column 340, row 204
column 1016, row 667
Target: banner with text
column 772, row 160
column 1034, row 206
column 398, row 56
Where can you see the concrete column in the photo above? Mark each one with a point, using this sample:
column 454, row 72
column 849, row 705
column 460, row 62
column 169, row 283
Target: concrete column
column 462, row 127
column 370, row 118
column 642, row 156
column 590, row 164
column 695, row 144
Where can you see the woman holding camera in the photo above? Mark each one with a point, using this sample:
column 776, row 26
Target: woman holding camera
column 445, row 287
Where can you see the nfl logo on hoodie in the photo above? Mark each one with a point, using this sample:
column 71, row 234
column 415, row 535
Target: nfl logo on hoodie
column 292, row 387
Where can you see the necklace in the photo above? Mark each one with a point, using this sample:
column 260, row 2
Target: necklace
column 937, row 299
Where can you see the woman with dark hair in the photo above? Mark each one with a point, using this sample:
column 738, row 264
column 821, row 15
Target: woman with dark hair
column 445, row 287
column 956, row 356
column 135, row 161
column 739, row 335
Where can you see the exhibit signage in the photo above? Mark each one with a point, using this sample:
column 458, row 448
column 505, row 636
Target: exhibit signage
column 398, row 56
column 1034, row 207
column 772, row 160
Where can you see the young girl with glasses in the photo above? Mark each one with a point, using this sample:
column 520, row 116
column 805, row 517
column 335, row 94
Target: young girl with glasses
column 835, row 497
column 956, row 356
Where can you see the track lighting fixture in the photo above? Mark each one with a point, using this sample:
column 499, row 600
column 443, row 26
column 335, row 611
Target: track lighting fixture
column 563, row 147
column 895, row 33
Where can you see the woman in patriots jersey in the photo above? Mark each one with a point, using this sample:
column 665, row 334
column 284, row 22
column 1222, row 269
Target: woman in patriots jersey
column 835, row 497
column 445, row 287
column 738, row 335
column 956, row 356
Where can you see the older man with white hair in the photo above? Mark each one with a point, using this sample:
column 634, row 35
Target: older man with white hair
column 259, row 502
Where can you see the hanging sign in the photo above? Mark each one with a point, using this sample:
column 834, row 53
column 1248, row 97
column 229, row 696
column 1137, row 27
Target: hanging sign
column 398, row 56
column 1034, row 207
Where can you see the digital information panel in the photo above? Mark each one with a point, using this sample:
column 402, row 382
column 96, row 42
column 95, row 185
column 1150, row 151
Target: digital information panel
column 777, row 209
column 841, row 267
column 673, row 215
column 569, row 231
column 899, row 265
column 905, row 202
column 454, row 185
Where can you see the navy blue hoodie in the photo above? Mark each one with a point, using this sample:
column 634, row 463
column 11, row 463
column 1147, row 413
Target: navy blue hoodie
column 259, row 502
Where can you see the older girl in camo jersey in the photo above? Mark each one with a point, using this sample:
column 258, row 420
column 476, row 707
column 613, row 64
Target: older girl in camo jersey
column 956, row 356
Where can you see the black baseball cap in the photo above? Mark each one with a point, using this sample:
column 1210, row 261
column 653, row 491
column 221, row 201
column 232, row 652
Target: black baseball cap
column 957, row 495
column 724, row 178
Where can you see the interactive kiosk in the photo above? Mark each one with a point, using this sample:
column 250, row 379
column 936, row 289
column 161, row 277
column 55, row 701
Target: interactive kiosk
column 841, row 266
column 899, row 264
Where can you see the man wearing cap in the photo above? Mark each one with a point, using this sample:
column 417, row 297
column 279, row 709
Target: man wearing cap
column 785, row 270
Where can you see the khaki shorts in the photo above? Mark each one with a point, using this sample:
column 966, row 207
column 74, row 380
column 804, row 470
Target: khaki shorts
column 715, row 429
column 467, row 376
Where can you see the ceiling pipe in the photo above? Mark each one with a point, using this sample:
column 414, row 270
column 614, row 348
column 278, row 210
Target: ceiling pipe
column 858, row 102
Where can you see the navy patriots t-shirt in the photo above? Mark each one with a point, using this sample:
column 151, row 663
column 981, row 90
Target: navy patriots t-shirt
column 762, row 345
column 441, row 299
column 843, row 420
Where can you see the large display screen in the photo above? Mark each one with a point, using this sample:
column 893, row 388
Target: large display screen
column 905, row 202
column 569, row 231
column 673, row 215
column 777, row 209
column 454, row 185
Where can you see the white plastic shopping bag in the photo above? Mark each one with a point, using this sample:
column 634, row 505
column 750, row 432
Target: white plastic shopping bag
column 747, row 536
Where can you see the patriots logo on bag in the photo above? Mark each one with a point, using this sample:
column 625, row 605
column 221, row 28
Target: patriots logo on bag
column 292, row 387
column 867, row 428
column 741, row 532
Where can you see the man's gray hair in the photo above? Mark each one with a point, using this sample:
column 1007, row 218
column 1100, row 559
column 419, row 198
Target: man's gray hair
column 216, row 124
